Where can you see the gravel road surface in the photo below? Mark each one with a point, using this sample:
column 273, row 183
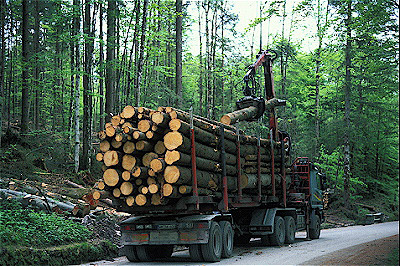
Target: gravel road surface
column 300, row 252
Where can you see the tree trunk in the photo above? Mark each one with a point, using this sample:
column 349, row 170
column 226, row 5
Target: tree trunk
column 140, row 63
column 347, row 95
column 87, row 88
column 37, row 66
column 2, row 68
column 25, row 59
column 178, row 62
column 110, row 64
column 101, row 69
column 77, row 82
column 201, row 65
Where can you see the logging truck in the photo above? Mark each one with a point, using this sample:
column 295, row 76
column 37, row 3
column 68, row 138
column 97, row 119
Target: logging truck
column 204, row 184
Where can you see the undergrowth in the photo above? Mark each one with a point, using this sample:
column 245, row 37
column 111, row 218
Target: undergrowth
column 26, row 227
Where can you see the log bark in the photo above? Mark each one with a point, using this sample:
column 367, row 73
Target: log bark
column 139, row 135
column 250, row 112
column 148, row 157
column 181, row 175
column 201, row 135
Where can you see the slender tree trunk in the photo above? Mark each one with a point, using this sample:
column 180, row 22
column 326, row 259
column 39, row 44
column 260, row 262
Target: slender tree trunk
column 133, row 54
column 86, row 136
column 178, row 62
column 207, row 66
column 213, row 55
column 283, row 50
column 2, row 67
column 110, row 64
column 347, row 95
column 36, row 85
column 201, row 64
column 222, row 62
column 317, row 79
column 101, row 69
column 77, row 16
column 141, row 53
column 25, row 91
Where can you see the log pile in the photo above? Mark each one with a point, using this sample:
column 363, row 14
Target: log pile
column 146, row 156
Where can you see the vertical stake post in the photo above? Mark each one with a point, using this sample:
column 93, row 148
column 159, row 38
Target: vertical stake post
column 223, row 164
column 193, row 159
column 259, row 167
column 272, row 163
column 239, row 185
column 283, row 171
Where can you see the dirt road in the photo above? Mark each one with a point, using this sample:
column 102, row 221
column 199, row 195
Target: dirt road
column 332, row 241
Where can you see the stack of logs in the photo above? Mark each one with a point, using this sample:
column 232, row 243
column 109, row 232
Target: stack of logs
column 146, row 157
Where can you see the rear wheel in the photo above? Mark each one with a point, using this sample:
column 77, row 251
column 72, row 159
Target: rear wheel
column 227, row 239
column 162, row 251
column 277, row 238
column 130, row 253
column 145, row 253
column 195, row 252
column 315, row 228
column 213, row 249
column 290, row 229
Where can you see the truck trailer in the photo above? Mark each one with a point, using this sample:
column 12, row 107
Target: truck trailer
column 210, row 225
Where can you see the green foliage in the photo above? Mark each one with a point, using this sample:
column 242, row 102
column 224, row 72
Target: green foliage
column 25, row 227
column 76, row 253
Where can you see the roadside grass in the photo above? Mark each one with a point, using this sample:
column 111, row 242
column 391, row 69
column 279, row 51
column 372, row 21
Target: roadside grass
column 33, row 237
column 393, row 257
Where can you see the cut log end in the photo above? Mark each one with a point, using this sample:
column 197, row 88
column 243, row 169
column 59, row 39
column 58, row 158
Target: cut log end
column 128, row 162
column 140, row 199
column 126, row 188
column 171, row 174
column 111, row 158
column 111, row 177
column 129, row 111
column 173, row 140
column 130, row 201
column 226, row 120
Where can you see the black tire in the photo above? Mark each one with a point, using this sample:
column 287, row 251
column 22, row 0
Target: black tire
column 213, row 249
column 315, row 227
column 162, row 251
column 130, row 253
column 277, row 238
column 290, row 229
column 241, row 240
column 227, row 239
column 265, row 241
column 195, row 252
column 145, row 253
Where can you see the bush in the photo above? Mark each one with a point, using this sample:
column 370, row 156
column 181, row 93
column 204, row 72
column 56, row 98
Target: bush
column 25, row 227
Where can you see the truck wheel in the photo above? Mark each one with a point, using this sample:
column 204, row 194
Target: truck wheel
column 162, row 251
column 277, row 238
column 145, row 253
column 195, row 252
column 213, row 249
column 130, row 253
column 315, row 228
column 290, row 229
column 227, row 239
